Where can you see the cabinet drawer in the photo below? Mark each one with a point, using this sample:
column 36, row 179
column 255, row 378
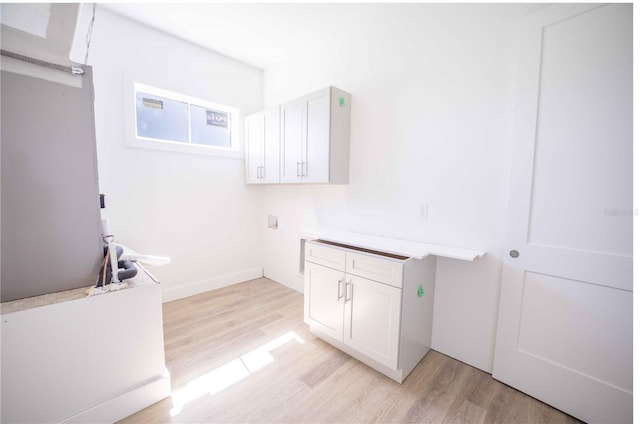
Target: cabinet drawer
column 325, row 255
column 375, row 268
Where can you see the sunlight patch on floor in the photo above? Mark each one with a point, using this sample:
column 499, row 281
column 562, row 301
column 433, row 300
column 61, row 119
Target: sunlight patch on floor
column 230, row 373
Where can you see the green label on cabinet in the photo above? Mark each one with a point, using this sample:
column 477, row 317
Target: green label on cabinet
column 341, row 101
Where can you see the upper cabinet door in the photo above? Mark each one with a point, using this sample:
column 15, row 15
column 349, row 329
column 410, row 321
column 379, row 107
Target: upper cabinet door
column 315, row 148
column 271, row 170
column 291, row 135
column 255, row 132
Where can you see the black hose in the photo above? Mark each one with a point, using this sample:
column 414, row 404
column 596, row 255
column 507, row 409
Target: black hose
column 129, row 270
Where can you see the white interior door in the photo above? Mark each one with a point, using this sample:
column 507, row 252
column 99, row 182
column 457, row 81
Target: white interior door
column 564, row 330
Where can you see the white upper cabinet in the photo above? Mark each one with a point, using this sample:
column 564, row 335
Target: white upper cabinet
column 263, row 147
column 314, row 138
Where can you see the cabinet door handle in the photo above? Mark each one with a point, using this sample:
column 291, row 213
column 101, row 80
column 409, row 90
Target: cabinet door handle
column 262, row 172
column 302, row 168
column 258, row 171
column 298, row 169
column 339, row 288
column 346, row 288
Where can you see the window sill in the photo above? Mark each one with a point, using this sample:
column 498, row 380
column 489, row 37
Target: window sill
column 168, row 146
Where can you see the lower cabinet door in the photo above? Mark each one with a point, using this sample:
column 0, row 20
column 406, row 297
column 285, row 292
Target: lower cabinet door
column 324, row 297
column 372, row 319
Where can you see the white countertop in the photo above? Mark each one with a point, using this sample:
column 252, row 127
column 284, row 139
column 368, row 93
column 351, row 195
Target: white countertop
column 407, row 248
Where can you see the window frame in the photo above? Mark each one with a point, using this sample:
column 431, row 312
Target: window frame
column 132, row 138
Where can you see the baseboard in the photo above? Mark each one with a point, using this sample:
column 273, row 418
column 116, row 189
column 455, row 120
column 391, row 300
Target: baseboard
column 190, row 289
column 297, row 284
column 127, row 403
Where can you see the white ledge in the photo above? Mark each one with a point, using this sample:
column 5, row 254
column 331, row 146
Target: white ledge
column 411, row 249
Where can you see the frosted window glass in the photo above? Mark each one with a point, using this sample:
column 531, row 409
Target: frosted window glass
column 162, row 118
column 210, row 127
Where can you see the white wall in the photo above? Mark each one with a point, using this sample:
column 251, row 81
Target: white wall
column 42, row 31
column 431, row 118
column 432, row 103
column 195, row 209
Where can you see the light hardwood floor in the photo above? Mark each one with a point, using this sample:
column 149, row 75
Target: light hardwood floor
column 243, row 354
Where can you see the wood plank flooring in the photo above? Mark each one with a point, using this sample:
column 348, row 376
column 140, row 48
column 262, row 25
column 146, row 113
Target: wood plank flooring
column 243, row 354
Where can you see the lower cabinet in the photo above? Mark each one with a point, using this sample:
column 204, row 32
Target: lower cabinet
column 376, row 307
column 340, row 305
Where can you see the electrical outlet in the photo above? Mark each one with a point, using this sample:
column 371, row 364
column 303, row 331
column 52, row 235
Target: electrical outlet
column 272, row 222
column 423, row 211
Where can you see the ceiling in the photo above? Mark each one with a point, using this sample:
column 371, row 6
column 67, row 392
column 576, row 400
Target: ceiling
column 261, row 35
column 267, row 34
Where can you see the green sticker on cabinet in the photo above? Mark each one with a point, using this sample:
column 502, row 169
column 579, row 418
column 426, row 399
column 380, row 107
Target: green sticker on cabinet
column 341, row 101
column 420, row 291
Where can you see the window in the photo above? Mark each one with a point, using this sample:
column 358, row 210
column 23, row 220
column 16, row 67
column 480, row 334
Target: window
column 161, row 118
column 170, row 121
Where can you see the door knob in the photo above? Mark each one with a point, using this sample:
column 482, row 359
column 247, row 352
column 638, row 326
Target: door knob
column 514, row 254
